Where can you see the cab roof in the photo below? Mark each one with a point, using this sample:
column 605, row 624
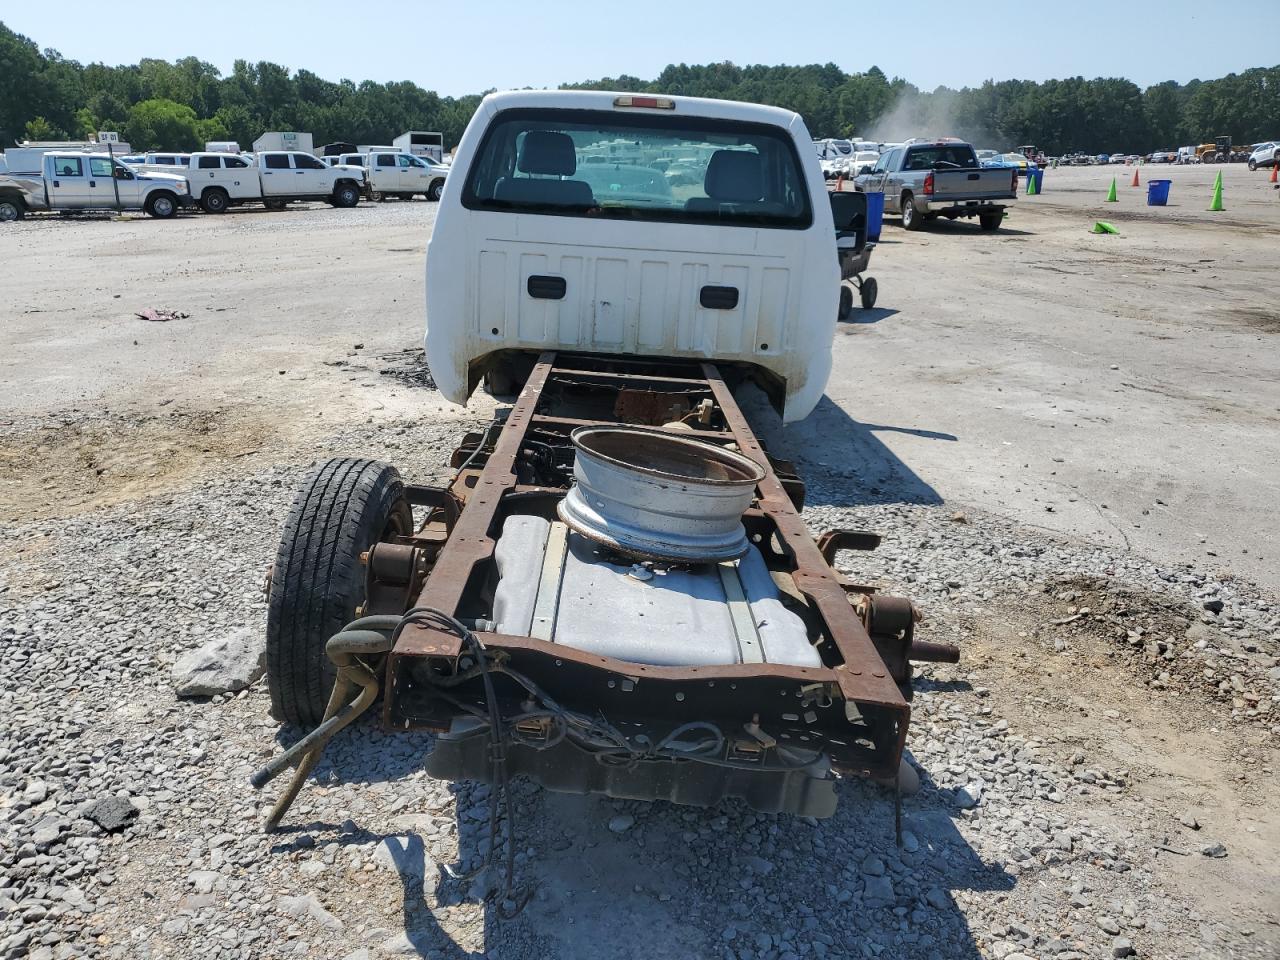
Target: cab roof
column 604, row 100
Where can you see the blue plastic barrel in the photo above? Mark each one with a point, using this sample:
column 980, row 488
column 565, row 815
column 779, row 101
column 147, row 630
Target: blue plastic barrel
column 875, row 215
column 1158, row 192
column 1035, row 173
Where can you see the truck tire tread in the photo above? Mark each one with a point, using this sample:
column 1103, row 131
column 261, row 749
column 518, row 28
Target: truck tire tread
column 317, row 581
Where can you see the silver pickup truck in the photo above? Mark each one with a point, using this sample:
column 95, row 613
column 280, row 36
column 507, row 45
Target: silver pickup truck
column 73, row 180
column 925, row 179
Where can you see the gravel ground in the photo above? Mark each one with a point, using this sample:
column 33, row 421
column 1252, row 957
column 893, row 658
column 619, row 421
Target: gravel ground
column 1097, row 775
column 1024, row 840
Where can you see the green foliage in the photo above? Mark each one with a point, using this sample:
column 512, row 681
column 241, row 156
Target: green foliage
column 42, row 129
column 177, row 106
column 161, row 125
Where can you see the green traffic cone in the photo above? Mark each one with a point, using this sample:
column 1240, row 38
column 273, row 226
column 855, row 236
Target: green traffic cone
column 1103, row 227
column 1111, row 194
column 1031, row 184
column 1217, row 195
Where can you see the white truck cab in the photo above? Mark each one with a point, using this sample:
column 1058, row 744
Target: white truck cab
column 72, row 180
column 711, row 236
column 289, row 175
column 398, row 174
column 221, row 180
column 170, row 160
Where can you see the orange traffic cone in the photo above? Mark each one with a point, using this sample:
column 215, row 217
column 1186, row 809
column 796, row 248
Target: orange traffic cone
column 1135, row 177
column 1274, row 170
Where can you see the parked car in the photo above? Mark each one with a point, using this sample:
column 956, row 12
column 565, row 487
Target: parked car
column 222, row 180
column 166, row 160
column 91, row 181
column 289, row 175
column 1265, row 154
column 864, row 158
column 924, row 180
column 400, row 174
column 1015, row 160
column 273, row 178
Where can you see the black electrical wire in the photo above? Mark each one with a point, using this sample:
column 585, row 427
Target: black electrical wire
column 500, row 783
column 484, row 441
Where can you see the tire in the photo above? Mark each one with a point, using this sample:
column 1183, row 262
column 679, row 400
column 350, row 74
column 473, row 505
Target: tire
column 214, row 200
column 346, row 195
column 162, row 205
column 317, row 582
column 868, row 292
column 274, row 204
column 846, row 303
column 990, row 221
column 377, row 196
column 11, row 210
column 911, row 218
column 434, row 191
column 499, row 382
column 1253, row 164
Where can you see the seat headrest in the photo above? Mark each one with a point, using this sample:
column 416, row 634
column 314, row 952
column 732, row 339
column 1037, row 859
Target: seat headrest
column 734, row 176
column 546, row 152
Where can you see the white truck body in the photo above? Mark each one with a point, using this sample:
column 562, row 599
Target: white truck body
column 284, row 140
column 70, row 180
column 421, row 143
column 222, row 146
column 532, row 251
column 395, row 173
column 28, row 157
column 222, row 180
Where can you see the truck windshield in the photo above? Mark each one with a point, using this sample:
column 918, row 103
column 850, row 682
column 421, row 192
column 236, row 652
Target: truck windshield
column 932, row 158
column 609, row 165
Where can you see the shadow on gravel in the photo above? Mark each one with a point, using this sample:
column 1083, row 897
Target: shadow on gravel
column 943, row 227
column 727, row 882
column 843, row 461
column 633, row 881
column 861, row 317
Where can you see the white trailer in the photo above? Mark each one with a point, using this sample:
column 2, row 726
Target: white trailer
column 421, row 144
column 28, row 157
column 284, row 140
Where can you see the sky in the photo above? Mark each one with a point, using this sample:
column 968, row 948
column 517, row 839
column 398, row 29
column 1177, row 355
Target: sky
column 457, row 47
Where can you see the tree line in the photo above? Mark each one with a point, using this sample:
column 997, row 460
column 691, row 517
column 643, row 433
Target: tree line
column 155, row 104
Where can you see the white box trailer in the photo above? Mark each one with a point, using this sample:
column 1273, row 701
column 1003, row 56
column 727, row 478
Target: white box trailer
column 421, row 144
column 284, row 140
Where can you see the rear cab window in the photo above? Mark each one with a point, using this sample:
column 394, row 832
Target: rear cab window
column 208, row 163
column 609, row 165
column 276, row 161
column 950, row 157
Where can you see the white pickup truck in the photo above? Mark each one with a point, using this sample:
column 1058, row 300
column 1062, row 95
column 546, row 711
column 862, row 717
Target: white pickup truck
column 272, row 178
column 393, row 173
column 90, row 181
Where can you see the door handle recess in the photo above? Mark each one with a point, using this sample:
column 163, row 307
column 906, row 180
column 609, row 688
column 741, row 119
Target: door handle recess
column 546, row 288
column 718, row 298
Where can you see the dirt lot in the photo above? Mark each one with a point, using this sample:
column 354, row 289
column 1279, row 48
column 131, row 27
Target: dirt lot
column 1070, row 441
